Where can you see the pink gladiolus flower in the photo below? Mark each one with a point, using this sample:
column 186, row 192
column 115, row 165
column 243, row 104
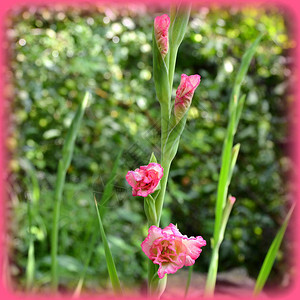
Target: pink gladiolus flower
column 145, row 180
column 171, row 250
column 184, row 94
column 161, row 27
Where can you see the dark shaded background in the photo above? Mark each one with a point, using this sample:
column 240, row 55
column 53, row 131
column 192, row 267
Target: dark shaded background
column 59, row 53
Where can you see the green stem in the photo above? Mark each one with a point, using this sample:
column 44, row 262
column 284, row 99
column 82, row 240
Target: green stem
column 188, row 282
column 165, row 117
column 213, row 267
column 152, row 217
column 224, row 173
column 150, row 211
column 212, row 273
column 160, row 199
column 158, row 203
column 172, row 63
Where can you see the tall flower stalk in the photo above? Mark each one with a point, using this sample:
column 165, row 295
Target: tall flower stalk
column 168, row 34
column 163, row 71
column 229, row 157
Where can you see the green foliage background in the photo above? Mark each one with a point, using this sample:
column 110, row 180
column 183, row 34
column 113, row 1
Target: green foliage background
column 58, row 53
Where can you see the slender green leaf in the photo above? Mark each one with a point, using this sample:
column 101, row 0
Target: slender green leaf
column 172, row 140
column 246, row 59
column 63, row 165
column 107, row 194
column 179, row 21
column 234, row 156
column 152, row 158
column 178, row 25
column 108, row 256
column 30, row 268
column 271, row 255
column 108, row 189
column 32, row 210
column 239, row 110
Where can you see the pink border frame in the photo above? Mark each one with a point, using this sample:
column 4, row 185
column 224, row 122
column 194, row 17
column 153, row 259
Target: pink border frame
column 291, row 6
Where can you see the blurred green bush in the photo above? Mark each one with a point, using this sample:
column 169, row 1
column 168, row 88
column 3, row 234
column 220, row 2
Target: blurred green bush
column 58, row 53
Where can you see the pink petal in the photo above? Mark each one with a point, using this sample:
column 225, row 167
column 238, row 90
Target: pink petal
column 168, row 268
column 193, row 246
column 184, row 94
column 142, row 193
column 156, row 167
column 161, row 27
column 183, row 87
column 130, row 178
column 162, row 23
column 194, row 80
column 172, row 229
column 153, row 234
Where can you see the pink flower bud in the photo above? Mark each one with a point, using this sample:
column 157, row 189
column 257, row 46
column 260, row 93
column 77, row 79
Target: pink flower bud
column 161, row 27
column 231, row 199
column 145, row 180
column 184, row 94
column 171, row 250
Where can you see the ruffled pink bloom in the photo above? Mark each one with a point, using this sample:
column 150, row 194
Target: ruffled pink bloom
column 184, row 94
column 161, row 27
column 145, row 180
column 171, row 250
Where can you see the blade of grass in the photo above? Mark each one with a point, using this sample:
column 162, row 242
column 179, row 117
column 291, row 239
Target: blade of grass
column 63, row 165
column 108, row 256
column 30, row 268
column 32, row 207
column 107, row 193
column 271, row 255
